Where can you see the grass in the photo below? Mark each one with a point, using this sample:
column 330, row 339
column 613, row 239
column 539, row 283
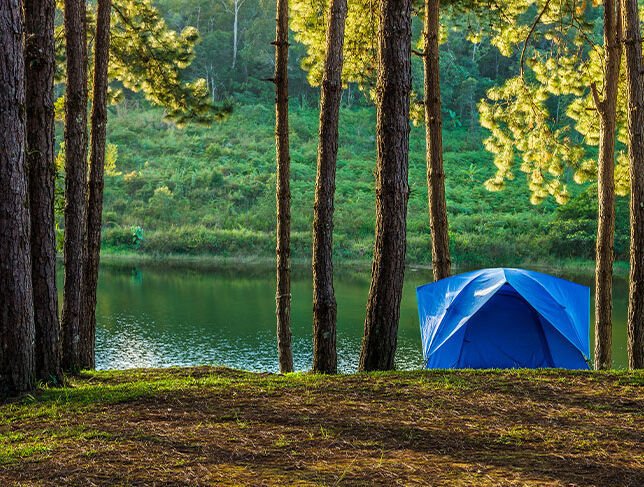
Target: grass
column 212, row 426
column 211, row 191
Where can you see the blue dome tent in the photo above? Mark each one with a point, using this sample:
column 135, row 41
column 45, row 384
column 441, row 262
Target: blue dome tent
column 504, row 318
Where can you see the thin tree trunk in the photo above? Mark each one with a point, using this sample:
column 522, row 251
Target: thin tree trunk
column 96, row 172
column 606, row 107
column 39, row 75
column 235, row 25
column 75, row 179
column 635, row 84
column 283, row 192
column 441, row 261
column 392, row 187
column 324, row 304
column 16, row 302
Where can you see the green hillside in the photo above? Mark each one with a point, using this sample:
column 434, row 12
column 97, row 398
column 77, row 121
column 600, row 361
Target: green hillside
column 210, row 190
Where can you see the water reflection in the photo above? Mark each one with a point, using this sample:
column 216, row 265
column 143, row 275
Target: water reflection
column 159, row 318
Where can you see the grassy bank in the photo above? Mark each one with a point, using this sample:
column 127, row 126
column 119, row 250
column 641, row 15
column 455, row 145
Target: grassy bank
column 255, row 263
column 211, row 190
column 205, row 426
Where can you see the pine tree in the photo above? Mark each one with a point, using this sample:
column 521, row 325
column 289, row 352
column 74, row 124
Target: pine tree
column 607, row 109
column 283, row 193
column 324, row 303
column 521, row 122
column 75, row 180
column 40, row 66
column 148, row 57
column 95, row 186
column 441, row 261
column 635, row 85
column 392, row 188
column 17, row 332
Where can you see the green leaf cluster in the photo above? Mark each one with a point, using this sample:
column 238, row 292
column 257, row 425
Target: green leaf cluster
column 545, row 121
column 146, row 57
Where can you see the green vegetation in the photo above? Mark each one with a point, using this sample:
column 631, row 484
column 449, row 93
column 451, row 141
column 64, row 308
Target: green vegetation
column 210, row 190
column 202, row 426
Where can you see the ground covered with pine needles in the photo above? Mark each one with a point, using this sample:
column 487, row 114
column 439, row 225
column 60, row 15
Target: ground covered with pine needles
column 209, row 426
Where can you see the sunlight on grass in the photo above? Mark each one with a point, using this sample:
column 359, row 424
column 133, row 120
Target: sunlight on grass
column 469, row 427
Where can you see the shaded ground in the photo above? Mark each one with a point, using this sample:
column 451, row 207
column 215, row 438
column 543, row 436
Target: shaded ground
column 205, row 426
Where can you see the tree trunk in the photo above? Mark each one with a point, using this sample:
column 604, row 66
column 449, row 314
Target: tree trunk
column 39, row 75
column 392, row 187
column 635, row 86
column 96, row 172
column 324, row 304
column 75, row 179
column 606, row 108
column 283, row 192
column 441, row 261
column 235, row 25
column 16, row 301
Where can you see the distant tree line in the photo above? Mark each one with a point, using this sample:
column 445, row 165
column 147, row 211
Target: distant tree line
column 468, row 68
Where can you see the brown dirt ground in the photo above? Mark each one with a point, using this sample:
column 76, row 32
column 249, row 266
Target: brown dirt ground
column 222, row 427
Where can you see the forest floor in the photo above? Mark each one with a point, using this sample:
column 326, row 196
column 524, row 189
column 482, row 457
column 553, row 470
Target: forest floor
column 213, row 426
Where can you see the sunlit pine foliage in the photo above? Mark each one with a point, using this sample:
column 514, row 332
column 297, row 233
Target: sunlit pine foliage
column 545, row 120
column 309, row 20
column 147, row 57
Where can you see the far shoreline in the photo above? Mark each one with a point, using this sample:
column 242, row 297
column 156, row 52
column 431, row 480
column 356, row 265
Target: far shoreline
column 214, row 263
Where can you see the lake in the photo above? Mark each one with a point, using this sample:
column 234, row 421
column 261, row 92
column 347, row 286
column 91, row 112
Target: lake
column 154, row 317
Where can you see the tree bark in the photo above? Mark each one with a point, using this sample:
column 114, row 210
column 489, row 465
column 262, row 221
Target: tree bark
column 604, row 256
column 39, row 75
column 635, row 89
column 392, row 187
column 324, row 303
column 96, row 182
column 75, row 179
column 16, row 299
column 283, row 192
column 236, row 7
column 441, row 261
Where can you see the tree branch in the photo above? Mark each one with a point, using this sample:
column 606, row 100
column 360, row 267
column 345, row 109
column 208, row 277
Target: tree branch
column 598, row 101
column 527, row 39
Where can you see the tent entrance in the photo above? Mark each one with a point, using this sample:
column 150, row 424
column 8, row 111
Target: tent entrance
column 507, row 332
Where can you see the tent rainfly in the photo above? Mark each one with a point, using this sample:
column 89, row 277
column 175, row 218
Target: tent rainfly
column 504, row 318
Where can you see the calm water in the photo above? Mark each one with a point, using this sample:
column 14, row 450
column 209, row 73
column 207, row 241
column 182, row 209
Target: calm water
column 148, row 317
